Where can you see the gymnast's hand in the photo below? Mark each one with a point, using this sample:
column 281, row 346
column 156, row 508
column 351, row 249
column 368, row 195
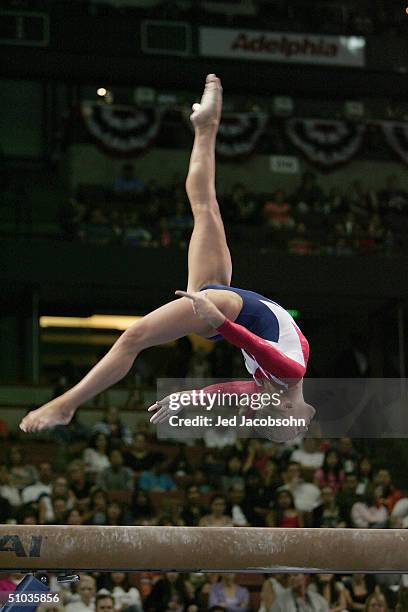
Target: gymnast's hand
column 204, row 308
column 166, row 407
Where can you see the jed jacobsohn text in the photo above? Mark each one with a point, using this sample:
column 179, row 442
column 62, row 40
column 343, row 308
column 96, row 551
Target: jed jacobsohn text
column 206, row 400
column 235, row 421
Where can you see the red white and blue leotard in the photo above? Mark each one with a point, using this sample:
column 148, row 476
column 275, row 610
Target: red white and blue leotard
column 273, row 346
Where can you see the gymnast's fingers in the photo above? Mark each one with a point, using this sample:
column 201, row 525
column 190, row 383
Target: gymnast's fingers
column 160, row 416
column 154, row 406
column 158, row 404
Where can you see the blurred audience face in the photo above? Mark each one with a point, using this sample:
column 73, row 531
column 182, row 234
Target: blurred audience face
column 383, row 477
column 284, row 500
column 113, row 512
column 172, row 576
column 293, row 472
column 237, row 495
column 4, row 475
column 74, row 517
column 325, row 577
column 86, row 589
column 193, row 495
column 350, row 483
column 76, row 472
column 51, row 607
column 116, row 459
column 104, row 604
column 212, row 578
column 118, row 577
column 139, row 443
column 101, row 443
column 218, row 506
column 332, row 459
column 253, row 480
column 29, row 519
column 358, row 578
column 83, row 504
column 376, row 603
column 112, row 415
column 45, row 472
column 271, row 468
column 346, row 446
column 141, row 498
column 234, row 465
column 16, row 456
column 99, row 501
column 365, row 466
column 229, row 579
column 60, row 486
column 199, row 477
column 298, row 582
column 59, row 506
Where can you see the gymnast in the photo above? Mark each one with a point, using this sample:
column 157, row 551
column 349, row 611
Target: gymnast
column 274, row 348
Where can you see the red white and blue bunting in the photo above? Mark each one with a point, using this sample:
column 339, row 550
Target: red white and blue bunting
column 127, row 131
column 324, row 142
column 238, row 133
column 121, row 131
column 396, row 135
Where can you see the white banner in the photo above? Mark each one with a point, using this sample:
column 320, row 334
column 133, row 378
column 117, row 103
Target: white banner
column 282, row 47
column 284, row 164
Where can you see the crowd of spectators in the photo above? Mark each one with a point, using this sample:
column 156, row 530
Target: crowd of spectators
column 197, row 592
column 115, row 476
column 307, row 221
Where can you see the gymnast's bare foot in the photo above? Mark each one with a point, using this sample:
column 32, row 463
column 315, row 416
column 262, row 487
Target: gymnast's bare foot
column 56, row 412
column 208, row 111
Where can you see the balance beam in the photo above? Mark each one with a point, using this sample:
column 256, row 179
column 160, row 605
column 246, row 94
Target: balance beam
column 55, row 547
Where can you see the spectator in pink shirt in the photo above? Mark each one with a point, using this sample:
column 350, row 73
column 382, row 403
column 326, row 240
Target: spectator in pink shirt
column 331, row 473
column 10, row 582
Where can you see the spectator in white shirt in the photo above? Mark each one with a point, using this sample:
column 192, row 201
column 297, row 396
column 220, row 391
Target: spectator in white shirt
column 308, row 455
column 299, row 597
column 7, row 490
column 95, row 456
column 236, row 501
column 22, row 474
column 60, row 488
column 219, row 437
column 126, row 597
column 400, row 511
column 371, row 512
column 271, row 588
column 43, row 485
column 306, row 495
column 84, row 601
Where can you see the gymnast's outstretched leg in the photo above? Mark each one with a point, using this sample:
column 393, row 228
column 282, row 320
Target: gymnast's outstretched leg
column 209, row 259
column 209, row 262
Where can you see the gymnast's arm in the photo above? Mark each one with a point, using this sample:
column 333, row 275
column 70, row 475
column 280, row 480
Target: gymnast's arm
column 269, row 357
